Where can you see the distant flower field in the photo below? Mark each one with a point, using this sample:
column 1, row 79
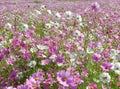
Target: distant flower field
column 59, row 44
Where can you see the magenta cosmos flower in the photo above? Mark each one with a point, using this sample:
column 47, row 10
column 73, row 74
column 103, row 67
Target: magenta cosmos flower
column 38, row 77
column 96, row 57
column 64, row 78
column 10, row 87
column 60, row 58
column 92, row 86
column 23, row 87
column 106, row 66
column 95, row 6
column 27, row 56
column 45, row 62
column 32, row 83
column 77, row 80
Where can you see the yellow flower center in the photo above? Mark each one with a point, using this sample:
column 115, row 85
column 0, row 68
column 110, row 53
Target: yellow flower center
column 91, row 87
column 64, row 79
column 36, row 78
column 34, row 85
column 77, row 79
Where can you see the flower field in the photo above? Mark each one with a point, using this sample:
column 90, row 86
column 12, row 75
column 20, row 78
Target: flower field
column 60, row 44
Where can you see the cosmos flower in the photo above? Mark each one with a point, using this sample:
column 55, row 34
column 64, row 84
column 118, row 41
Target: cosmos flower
column 12, row 75
column 113, row 54
column 37, row 12
column 77, row 80
column 60, row 58
column 105, row 77
column 53, row 50
column 56, row 25
column 48, row 25
column 49, row 12
column 33, row 49
column 19, row 75
column 42, row 47
column 57, row 15
column 38, row 77
column 118, row 84
column 95, row 6
column 91, row 86
column 32, row 64
column 68, row 15
column 78, row 18
column 116, row 67
column 96, row 57
column 42, row 7
column 25, row 27
column 10, row 87
column 45, row 62
column 64, row 77
column 8, row 26
column 27, row 56
column 106, row 66
column 10, row 61
column 25, row 86
column 32, row 83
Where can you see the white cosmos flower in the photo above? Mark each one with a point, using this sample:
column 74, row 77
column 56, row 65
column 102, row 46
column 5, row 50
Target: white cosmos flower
column 8, row 26
column 100, row 47
column 81, row 24
column 37, row 12
column 33, row 49
column 105, row 77
column 78, row 18
column 57, row 15
column 91, row 37
column 48, row 25
column 25, row 27
column 113, row 54
column 116, row 67
column 42, row 47
column 2, row 43
column 32, row 64
column 118, row 57
column 56, row 25
column 43, row 7
column 78, row 33
column 68, row 14
column 53, row 57
column 96, row 80
column 49, row 12
column 89, row 50
column 73, row 55
column 19, row 75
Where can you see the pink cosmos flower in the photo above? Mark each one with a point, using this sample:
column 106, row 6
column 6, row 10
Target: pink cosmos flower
column 96, row 57
column 45, row 62
column 95, row 6
column 118, row 84
column 32, row 83
column 53, row 49
column 23, row 87
column 106, row 66
column 77, row 80
column 38, row 77
column 92, row 86
column 60, row 58
column 27, row 56
column 10, row 61
column 10, row 87
column 64, row 78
